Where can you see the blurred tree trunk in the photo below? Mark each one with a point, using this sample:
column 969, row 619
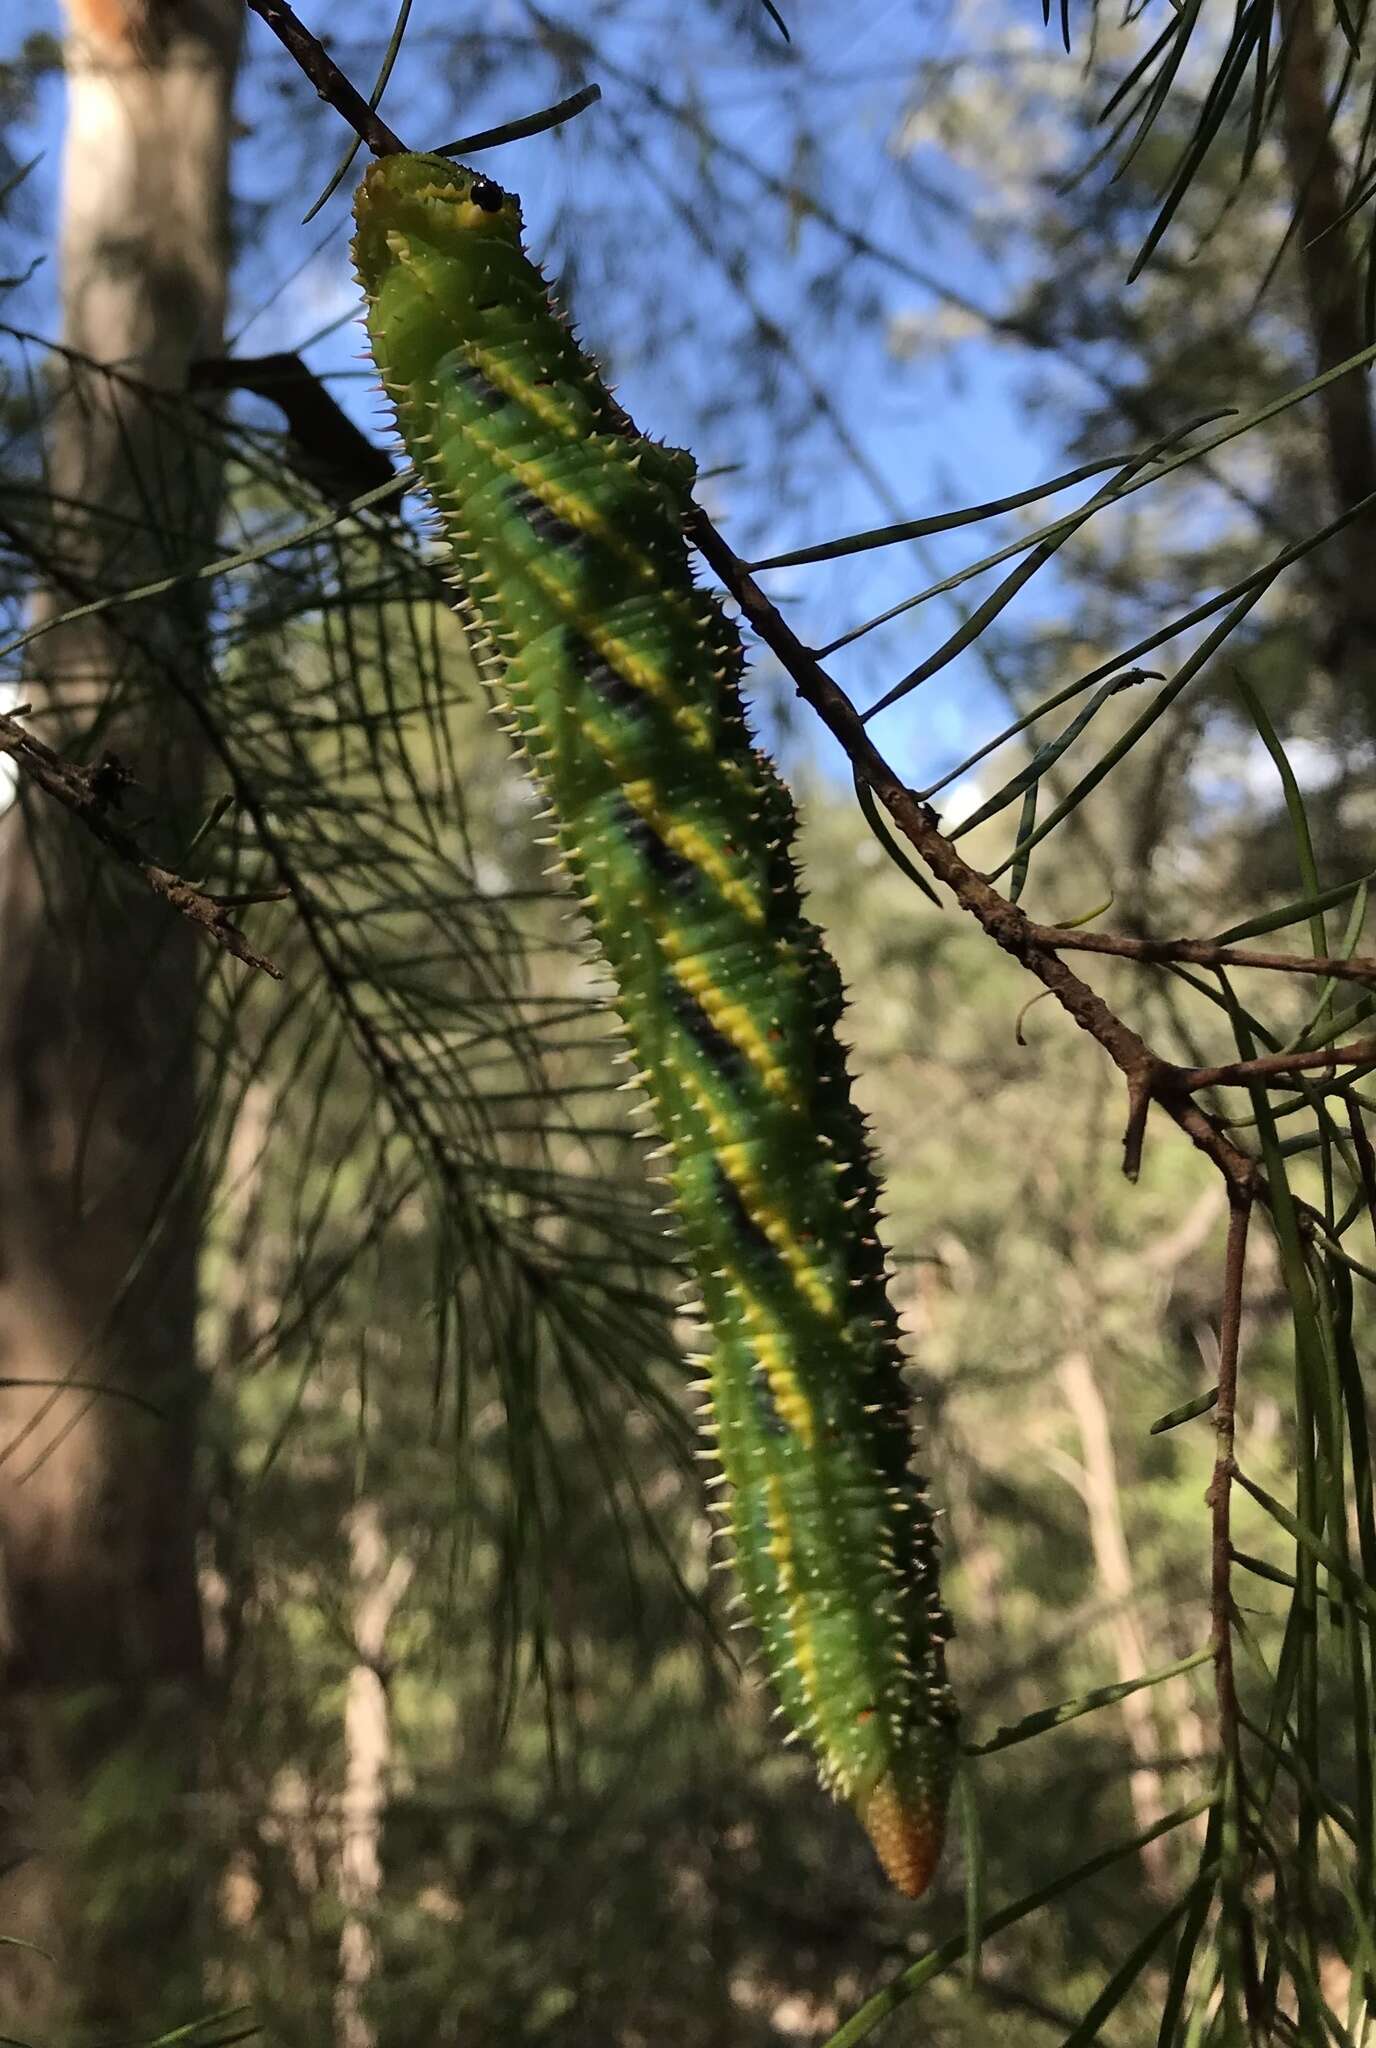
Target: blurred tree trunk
column 1331, row 272
column 1096, row 1481
column 379, row 1582
column 100, row 1206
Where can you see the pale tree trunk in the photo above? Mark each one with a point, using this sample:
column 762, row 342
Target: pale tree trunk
column 379, row 1583
column 99, row 1204
column 1095, row 1478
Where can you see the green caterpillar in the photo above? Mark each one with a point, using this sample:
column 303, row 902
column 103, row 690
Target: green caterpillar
column 621, row 679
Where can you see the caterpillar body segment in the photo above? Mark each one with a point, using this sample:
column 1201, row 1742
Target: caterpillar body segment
column 620, row 677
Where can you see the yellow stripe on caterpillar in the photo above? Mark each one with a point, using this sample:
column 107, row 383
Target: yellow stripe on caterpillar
column 735, row 1162
column 732, row 1019
column 496, row 368
column 632, row 668
column 693, row 845
column 790, row 1401
column 800, row 1633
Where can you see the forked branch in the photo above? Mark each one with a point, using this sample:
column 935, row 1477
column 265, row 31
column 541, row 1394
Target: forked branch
column 92, row 794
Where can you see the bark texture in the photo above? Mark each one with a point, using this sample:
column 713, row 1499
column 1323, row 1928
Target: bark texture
column 99, row 1198
column 1333, row 297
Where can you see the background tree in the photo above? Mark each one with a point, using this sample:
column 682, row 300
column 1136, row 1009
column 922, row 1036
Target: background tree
column 100, row 1190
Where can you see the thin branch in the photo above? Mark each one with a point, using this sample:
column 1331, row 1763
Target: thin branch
column 1237, row 1073
column 1201, row 953
column 329, row 81
column 91, row 794
column 1146, row 1074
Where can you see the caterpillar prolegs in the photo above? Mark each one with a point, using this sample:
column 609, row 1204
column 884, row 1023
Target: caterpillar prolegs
column 621, row 679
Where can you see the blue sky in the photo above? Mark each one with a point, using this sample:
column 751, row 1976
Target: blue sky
column 934, row 430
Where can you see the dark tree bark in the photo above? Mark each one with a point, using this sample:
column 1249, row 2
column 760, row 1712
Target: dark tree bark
column 100, row 1205
column 1333, row 298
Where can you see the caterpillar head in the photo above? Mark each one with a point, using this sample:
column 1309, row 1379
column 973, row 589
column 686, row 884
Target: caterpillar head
column 444, row 205
column 436, row 248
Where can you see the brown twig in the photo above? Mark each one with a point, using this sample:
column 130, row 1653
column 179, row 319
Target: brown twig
column 91, row 794
column 325, row 75
column 1147, row 1075
column 1237, row 1073
column 1202, row 953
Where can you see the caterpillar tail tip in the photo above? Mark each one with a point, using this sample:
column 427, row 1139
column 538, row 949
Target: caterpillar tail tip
column 907, row 1829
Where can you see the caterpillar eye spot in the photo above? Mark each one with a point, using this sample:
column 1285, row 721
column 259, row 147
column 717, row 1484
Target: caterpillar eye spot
column 487, row 195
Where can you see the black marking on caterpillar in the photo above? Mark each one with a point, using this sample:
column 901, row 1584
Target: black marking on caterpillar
column 740, row 1222
column 765, row 1407
column 680, row 874
column 611, row 686
column 485, row 395
column 720, row 1052
column 545, row 523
